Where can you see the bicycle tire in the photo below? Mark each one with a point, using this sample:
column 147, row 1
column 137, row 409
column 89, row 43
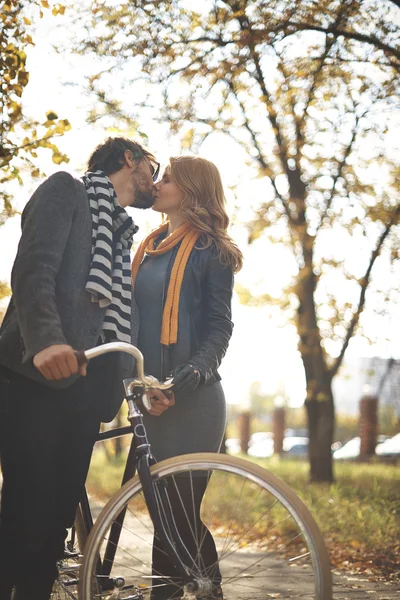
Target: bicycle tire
column 309, row 566
column 63, row 588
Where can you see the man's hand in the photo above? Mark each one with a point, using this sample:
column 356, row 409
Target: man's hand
column 159, row 402
column 57, row 362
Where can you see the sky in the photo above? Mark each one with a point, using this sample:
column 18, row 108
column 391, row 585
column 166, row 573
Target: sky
column 262, row 348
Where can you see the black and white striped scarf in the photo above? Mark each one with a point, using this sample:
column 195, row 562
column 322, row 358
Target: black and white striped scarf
column 109, row 281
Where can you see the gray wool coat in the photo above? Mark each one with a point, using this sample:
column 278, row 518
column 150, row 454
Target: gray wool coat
column 49, row 303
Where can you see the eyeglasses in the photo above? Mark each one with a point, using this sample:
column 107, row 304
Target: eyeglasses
column 155, row 170
column 154, row 165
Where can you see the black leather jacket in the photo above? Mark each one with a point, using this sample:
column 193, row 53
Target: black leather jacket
column 205, row 325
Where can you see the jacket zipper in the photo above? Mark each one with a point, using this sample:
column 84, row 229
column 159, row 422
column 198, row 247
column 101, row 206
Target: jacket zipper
column 161, row 346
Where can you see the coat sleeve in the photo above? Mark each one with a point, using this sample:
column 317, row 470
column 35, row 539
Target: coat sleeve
column 218, row 296
column 46, row 224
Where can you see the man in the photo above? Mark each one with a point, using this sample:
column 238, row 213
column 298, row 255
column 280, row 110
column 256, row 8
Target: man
column 71, row 290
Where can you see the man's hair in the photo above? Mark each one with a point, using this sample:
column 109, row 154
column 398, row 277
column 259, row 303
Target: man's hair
column 109, row 157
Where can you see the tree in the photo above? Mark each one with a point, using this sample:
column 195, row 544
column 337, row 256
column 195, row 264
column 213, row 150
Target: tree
column 21, row 136
column 309, row 90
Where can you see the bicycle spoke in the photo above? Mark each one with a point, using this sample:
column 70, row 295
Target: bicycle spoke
column 241, row 532
column 202, row 566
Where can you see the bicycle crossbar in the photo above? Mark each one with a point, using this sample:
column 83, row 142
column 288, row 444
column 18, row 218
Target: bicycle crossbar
column 113, row 433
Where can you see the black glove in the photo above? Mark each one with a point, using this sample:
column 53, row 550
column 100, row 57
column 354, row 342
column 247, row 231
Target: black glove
column 186, row 378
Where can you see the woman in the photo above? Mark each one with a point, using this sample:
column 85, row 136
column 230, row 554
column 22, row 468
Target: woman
column 182, row 275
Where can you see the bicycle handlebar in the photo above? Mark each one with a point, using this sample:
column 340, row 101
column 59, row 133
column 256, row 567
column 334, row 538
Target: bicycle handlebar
column 148, row 381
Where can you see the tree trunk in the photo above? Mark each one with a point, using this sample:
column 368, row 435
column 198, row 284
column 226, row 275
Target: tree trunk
column 368, row 426
column 319, row 401
column 278, row 423
column 244, row 431
column 321, row 422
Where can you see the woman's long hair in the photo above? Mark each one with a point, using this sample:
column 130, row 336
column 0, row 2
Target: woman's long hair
column 203, row 205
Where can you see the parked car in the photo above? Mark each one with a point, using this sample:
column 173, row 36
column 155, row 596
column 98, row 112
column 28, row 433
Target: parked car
column 232, row 445
column 390, row 447
column 297, row 432
column 351, row 449
column 262, row 446
column 336, row 446
column 297, row 450
column 260, row 436
column 294, row 440
column 295, row 446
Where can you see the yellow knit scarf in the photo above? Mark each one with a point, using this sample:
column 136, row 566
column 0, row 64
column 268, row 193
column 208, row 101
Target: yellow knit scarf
column 188, row 236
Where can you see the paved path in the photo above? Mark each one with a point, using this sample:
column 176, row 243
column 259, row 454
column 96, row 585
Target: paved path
column 283, row 581
column 348, row 587
column 289, row 582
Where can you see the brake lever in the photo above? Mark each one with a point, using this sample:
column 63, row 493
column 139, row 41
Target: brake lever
column 147, row 383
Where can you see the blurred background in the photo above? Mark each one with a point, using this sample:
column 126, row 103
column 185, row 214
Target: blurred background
column 297, row 104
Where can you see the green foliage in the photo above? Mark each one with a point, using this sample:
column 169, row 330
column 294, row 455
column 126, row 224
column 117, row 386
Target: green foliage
column 4, row 290
column 309, row 90
column 20, row 136
column 371, row 490
column 358, row 515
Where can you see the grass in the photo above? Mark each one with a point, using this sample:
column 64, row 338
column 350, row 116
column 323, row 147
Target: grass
column 105, row 475
column 363, row 504
column 359, row 515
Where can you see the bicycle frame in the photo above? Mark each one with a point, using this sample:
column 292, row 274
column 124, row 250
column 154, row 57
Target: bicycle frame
column 154, row 487
column 140, row 460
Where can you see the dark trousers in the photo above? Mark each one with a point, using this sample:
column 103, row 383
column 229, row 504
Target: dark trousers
column 185, row 498
column 46, row 441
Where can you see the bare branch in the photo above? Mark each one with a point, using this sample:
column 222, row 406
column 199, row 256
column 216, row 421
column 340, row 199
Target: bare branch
column 396, row 2
column 292, row 103
column 337, row 32
column 269, row 172
column 322, row 61
column 390, row 365
column 364, row 285
column 340, row 168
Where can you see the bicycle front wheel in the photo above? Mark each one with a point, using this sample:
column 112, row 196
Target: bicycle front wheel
column 249, row 536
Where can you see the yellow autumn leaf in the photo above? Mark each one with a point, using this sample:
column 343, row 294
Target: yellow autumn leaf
column 51, row 115
column 23, row 78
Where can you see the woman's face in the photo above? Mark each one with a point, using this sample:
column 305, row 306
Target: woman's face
column 168, row 195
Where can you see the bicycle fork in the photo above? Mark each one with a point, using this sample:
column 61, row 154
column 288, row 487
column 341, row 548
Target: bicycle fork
column 158, row 503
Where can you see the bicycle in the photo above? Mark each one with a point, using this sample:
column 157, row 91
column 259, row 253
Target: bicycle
column 268, row 544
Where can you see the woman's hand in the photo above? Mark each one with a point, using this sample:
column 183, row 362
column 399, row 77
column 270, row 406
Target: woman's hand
column 159, row 401
column 186, row 378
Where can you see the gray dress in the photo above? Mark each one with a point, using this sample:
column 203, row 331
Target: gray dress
column 196, row 423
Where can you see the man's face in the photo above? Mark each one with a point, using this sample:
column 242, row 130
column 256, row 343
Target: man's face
column 142, row 176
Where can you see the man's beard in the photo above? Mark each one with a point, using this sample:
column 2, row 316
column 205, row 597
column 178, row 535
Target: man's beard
column 143, row 199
